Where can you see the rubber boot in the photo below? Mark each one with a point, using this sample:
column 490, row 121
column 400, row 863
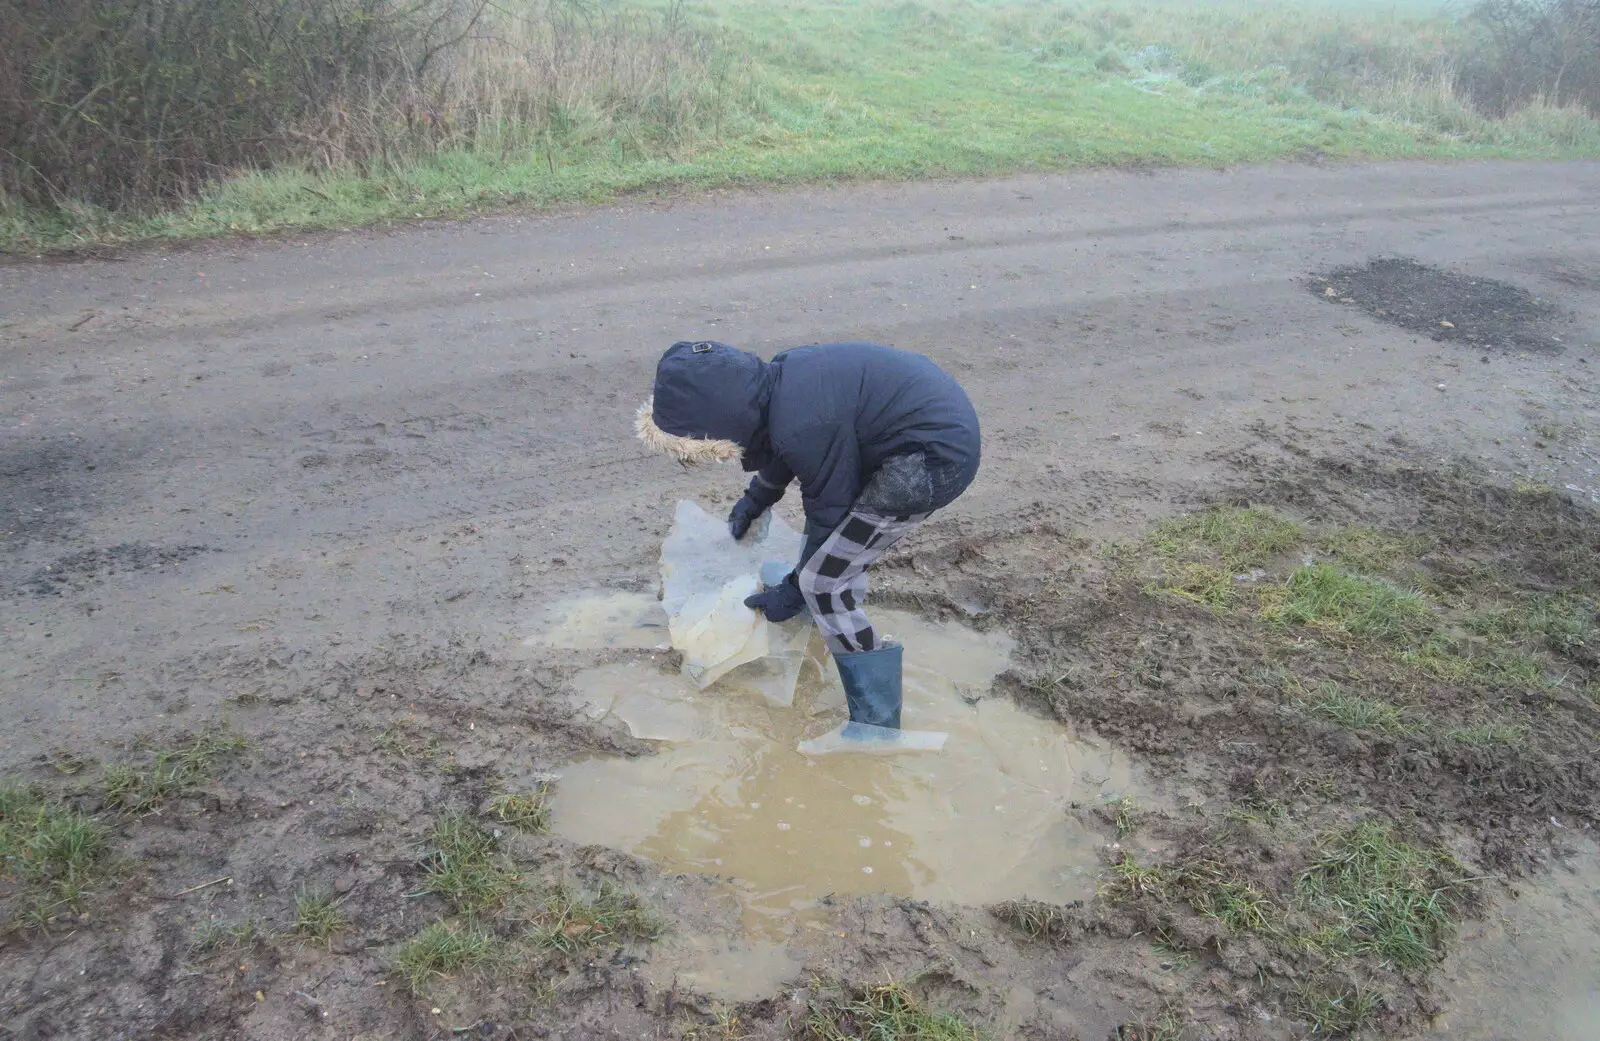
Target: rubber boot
column 872, row 685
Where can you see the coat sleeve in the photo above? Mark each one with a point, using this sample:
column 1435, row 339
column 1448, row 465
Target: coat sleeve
column 827, row 462
column 769, row 484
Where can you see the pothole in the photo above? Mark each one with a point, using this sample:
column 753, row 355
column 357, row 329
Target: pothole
column 728, row 794
column 1446, row 306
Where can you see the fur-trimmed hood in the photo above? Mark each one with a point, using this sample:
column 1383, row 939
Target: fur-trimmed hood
column 688, row 450
column 709, row 403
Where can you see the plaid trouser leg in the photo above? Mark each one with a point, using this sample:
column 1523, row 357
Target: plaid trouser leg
column 834, row 580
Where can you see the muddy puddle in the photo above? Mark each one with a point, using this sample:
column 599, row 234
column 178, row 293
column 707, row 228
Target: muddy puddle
column 728, row 794
column 1531, row 969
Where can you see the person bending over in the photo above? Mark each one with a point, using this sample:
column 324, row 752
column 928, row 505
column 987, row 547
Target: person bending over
column 878, row 438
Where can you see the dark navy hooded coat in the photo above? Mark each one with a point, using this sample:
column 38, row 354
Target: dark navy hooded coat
column 829, row 415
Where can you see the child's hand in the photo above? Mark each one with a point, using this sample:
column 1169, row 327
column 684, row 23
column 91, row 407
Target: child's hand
column 780, row 602
column 745, row 513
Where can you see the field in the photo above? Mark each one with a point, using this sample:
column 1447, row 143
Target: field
column 558, row 102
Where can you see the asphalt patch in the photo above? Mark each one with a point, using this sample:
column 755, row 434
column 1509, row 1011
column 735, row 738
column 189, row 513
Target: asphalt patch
column 1444, row 305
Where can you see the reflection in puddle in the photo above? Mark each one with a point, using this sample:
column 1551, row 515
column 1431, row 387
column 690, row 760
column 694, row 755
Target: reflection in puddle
column 983, row 820
column 1531, row 971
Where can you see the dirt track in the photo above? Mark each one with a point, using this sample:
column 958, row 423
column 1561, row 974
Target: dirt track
column 248, row 468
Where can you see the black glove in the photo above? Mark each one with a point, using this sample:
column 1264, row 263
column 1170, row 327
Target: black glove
column 780, row 602
column 745, row 513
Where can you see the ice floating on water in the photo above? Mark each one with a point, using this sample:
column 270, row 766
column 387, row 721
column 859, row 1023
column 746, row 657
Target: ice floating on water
column 705, row 578
column 864, row 737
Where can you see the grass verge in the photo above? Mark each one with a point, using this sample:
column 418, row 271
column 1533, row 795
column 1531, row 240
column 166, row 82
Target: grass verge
column 807, row 91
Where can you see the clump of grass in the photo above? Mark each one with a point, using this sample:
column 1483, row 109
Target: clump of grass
column 1166, row 1027
column 403, row 741
column 317, row 915
column 1201, row 583
column 462, row 866
column 725, row 1026
column 1567, row 624
column 441, row 949
column 1034, row 918
column 569, row 920
column 223, row 937
column 1336, row 1012
column 1240, row 906
column 175, row 770
column 1126, row 815
column 1366, row 893
column 1130, row 878
column 1383, row 896
column 886, row 1012
column 56, row 853
column 1331, row 598
column 525, row 811
column 1371, row 550
column 1335, row 702
column 1241, row 538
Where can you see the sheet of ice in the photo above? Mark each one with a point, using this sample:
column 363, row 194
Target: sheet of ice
column 705, row 578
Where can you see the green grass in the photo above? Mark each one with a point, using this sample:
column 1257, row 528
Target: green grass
column 1200, row 583
column 463, row 866
column 1564, row 623
column 317, row 915
column 1332, row 598
column 1034, row 918
column 443, row 949
column 1383, row 896
column 1335, row 702
column 1371, row 550
column 55, row 853
column 1365, row 893
column 909, row 89
column 174, row 771
column 404, row 740
column 569, row 920
column 525, row 811
column 1241, row 538
column 886, row 1012
column 1336, row 1013
column 1126, row 815
column 1201, row 553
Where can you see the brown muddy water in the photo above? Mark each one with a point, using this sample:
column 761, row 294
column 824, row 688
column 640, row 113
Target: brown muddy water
column 728, row 794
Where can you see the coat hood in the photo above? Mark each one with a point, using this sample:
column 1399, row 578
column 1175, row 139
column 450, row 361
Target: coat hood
column 709, row 403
